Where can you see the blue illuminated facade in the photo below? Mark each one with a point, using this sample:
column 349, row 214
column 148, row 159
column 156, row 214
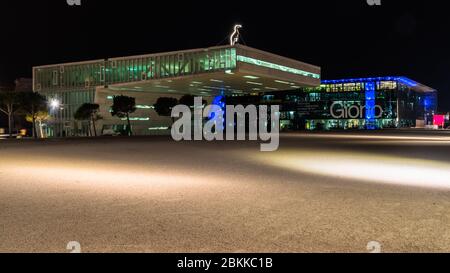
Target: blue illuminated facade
column 370, row 105
column 360, row 103
column 402, row 80
column 218, row 101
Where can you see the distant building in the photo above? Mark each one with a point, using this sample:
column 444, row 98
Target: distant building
column 4, row 87
column 19, row 85
column 24, row 85
column 363, row 103
column 352, row 104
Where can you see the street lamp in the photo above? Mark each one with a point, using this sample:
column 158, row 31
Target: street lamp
column 56, row 111
column 54, row 104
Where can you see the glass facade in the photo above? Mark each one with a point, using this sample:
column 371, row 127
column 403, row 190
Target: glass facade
column 132, row 69
column 75, row 83
column 372, row 103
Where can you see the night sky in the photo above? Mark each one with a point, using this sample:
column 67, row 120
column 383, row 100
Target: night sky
column 346, row 38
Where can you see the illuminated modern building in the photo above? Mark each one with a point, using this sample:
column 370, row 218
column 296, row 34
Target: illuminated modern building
column 238, row 73
column 233, row 70
column 364, row 103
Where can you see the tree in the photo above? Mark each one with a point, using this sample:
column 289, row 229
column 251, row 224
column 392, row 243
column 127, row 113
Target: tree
column 89, row 112
column 33, row 104
column 163, row 106
column 39, row 117
column 188, row 100
column 122, row 107
column 9, row 104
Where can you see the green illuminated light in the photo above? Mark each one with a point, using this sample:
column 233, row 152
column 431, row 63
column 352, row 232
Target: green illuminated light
column 213, row 80
column 110, row 97
column 144, row 107
column 251, row 77
column 136, row 119
column 135, row 68
column 158, row 128
column 283, row 68
column 255, row 83
column 212, row 87
column 283, row 82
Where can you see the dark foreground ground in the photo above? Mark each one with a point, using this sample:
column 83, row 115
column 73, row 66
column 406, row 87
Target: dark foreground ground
column 318, row 193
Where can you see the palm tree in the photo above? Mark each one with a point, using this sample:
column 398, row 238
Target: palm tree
column 122, row 107
column 89, row 112
column 9, row 104
column 33, row 104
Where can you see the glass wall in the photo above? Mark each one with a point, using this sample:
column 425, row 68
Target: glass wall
column 62, row 123
column 74, row 84
column 371, row 104
column 131, row 69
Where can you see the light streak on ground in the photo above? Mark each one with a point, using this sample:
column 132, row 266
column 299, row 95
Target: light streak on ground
column 365, row 167
column 375, row 137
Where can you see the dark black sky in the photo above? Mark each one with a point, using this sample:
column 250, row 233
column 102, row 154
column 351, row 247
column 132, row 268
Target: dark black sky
column 347, row 38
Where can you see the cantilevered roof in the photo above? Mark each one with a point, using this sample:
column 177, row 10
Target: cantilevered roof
column 227, row 70
column 404, row 80
column 255, row 71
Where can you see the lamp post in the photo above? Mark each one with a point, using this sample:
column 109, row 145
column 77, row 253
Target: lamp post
column 56, row 106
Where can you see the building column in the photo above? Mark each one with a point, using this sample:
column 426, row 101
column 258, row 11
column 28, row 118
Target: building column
column 370, row 105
